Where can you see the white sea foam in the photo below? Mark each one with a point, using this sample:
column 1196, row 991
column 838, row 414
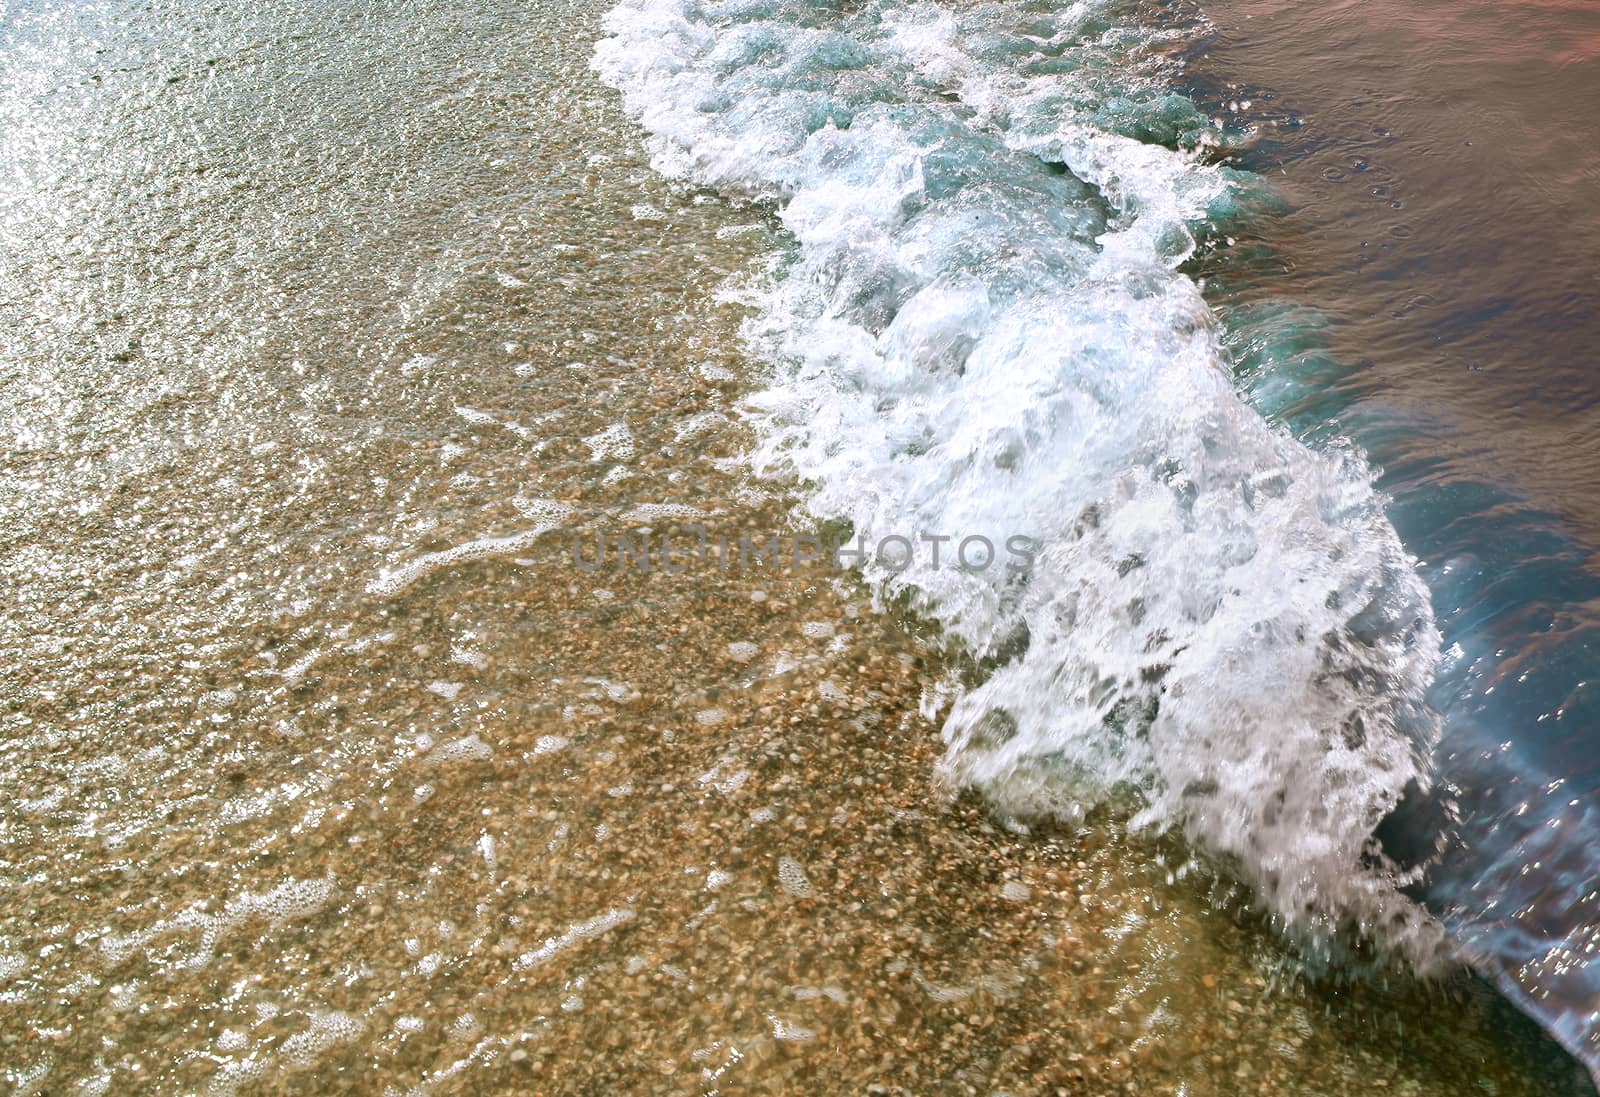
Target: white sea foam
column 291, row 900
column 575, row 935
column 793, row 878
column 549, row 514
column 468, row 748
column 325, row 1031
column 983, row 329
column 662, row 512
column 616, row 442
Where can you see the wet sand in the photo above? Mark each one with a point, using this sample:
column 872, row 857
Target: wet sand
column 293, row 803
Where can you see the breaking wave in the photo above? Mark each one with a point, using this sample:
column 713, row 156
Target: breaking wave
column 982, row 327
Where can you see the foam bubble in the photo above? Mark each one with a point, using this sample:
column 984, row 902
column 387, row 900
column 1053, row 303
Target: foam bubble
column 786, row 1030
column 291, row 900
column 656, row 512
column 575, row 935
column 11, row 965
column 792, row 877
column 470, row 657
column 468, row 748
column 326, row 1031
column 616, row 441
column 26, row 1081
column 394, row 580
column 549, row 744
column 235, row 1075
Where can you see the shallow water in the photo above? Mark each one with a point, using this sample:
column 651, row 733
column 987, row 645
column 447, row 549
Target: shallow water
column 324, row 770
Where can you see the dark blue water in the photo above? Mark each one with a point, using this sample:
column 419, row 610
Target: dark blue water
column 1442, row 170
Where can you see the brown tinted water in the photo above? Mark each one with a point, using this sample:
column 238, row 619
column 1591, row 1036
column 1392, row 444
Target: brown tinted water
column 1442, row 180
column 323, row 771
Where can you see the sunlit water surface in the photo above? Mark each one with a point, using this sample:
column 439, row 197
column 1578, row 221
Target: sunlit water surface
column 322, row 769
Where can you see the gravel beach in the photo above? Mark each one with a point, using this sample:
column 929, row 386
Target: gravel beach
column 327, row 769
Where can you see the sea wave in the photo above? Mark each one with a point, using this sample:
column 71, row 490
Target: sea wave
column 982, row 325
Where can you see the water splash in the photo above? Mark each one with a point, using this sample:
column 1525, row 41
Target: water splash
column 982, row 328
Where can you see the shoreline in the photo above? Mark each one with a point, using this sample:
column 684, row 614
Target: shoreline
column 346, row 798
